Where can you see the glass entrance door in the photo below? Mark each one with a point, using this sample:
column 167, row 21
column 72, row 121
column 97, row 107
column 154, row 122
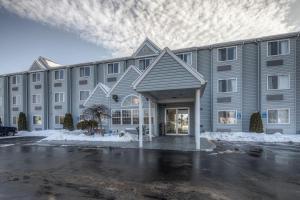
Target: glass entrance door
column 177, row 121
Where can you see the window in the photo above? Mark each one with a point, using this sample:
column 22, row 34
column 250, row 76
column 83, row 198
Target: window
column 279, row 116
column 126, row 116
column 59, row 74
column 144, row 63
column 131, row 100
column 281, row 47
column 36, row 99
column 15, row 80
column 59, row 97
column 227, row 117
column 16, row 100
column 278, row 82
column 14, row 120
column 59, row 120
column 84, row 95
column 85, row 71
column 36, row 77
column 113, row 68
column 146, row 116
column 135, row 116
column 186, row 57
column 116, row 117
column 227, row 54
column 228, row 85
column 37, row 120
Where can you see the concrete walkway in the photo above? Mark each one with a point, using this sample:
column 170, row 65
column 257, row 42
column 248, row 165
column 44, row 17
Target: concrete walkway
column 178, row 143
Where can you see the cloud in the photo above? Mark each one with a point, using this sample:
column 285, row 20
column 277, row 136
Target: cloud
column 122, row 25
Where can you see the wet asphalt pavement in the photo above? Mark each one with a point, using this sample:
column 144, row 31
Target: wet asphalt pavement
column 31, row 171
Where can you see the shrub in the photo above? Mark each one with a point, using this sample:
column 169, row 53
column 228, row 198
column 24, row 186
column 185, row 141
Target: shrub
column 22, row 122
column 68, row 122
column 256, row 124
column 88, row 125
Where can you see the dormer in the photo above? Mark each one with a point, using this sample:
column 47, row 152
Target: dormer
column 147, row 48
column 43, row 63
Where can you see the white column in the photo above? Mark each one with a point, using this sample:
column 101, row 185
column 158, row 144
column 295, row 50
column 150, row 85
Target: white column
column 197, row 119
column 155, row 121
column 149, row 120
column 141, row 120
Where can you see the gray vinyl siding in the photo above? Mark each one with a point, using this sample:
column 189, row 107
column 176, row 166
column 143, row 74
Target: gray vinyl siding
column 2, row 96
column 145, row 51
column 204, row 67
column 297, row 86
column 236, row 97
column 250, row 83
column 289, row 95
column 168, row 74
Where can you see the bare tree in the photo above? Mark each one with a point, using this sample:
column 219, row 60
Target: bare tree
column 98, row 113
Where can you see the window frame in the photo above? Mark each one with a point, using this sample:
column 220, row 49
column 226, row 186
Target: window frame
column 37, row 80
column 84, row 91
column 112, row 117
column 17, row 78
column 236, row 56
column 226, row 79
column 277, row 109
column 39, row 103
column 113, row 68
column 268, row 75
column 59, row 74
column 63, row 97
column 143, row 59
column 126, row 97
column 236, row 120
column 289, row 44
column 84, row 73
column 190, row 53
column 18, row 100
column 59, row 119
column 12, row 120
column 33, row 120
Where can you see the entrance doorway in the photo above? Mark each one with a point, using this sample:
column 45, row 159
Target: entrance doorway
column 177, row 121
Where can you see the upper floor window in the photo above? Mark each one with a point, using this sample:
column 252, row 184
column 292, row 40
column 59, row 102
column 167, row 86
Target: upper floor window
column 144, row 63
column 279, row 116
column 280, row 47
column 59, row 97
column 113, row 68
column 36, row 99
column 36, row 77
column 85, row 71
column 227, row 54
column 278, row 82
column 227, row 117
column 16, row 80
column 16, row 100
column 130, row 100
column 228, row 85
column 83, row 95
column 186, row 57
column 59, row 74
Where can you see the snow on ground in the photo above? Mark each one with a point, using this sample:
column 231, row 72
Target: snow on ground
column 251, row 137
column 78, row 135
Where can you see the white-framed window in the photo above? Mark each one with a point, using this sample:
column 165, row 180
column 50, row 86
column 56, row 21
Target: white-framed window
column 16, row 100
column 116, row 116
column 84, row 71
column 278, row 82
column 126, row 117
column 113, row 68
column 1, row 101
column 135, row 116
column 279, row 47
column 227, row 54
column 83, row 95
column 186, row 57
column 59, row 74
column 227, row 85
column 59, row 119
column 59, row 97
column 14, row 120
column 37, row 120
column 146, row 116
column 227, row 117
column 279, row 116
column 130, row 100
column 144, row 63
column 36, row 99
column 15, row 80
column 36, row 77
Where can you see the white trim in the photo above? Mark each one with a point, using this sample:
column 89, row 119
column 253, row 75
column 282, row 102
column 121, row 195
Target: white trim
column 176, row 122
column 191, row 53
column 148, row 43
column 278, row 41
column 83, row 67
column 236, row 119
column 59, row 93
column 18, row 100
column 33, row 120
column 226, row 79
column 120, row 79
column 193, row 71
column 221, row 61
column 103, row 87
column 112, row 63
column 145, row 58
column 36, row 103
column 278, row 74
column 131, row 110
column 179, row 100
column 59, row 71
column 36, row 73
column 277, row 116
column 129, row 95
column 59, row 119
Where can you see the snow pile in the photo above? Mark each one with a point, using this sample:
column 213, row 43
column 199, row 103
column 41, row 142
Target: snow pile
column 250, row 137
column 42, row 133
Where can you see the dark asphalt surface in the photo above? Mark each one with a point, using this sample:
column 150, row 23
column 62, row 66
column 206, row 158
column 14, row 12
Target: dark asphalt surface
column 30, row 171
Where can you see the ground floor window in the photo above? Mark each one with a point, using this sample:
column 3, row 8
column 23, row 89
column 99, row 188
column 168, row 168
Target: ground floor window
column 59, row 120
column 279, row 116
column 116, row 116
column 37, row 120
column 227, row 117
column 128, row 116
column 14, row 120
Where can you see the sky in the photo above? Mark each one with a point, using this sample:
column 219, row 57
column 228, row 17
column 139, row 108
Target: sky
column 74, row 31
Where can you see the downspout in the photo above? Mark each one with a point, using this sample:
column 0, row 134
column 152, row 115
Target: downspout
column 258, row 106
column 242, row 83
column 295, row 99
column 211, row 89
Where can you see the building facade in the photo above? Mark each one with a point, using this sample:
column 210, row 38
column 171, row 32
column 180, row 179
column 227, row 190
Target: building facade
column 209, row 88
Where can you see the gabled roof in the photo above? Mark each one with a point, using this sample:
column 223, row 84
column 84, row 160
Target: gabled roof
column 102, row 87
column 43, row 63
column 147, row 43
column 131, row 67
column 166, row 50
